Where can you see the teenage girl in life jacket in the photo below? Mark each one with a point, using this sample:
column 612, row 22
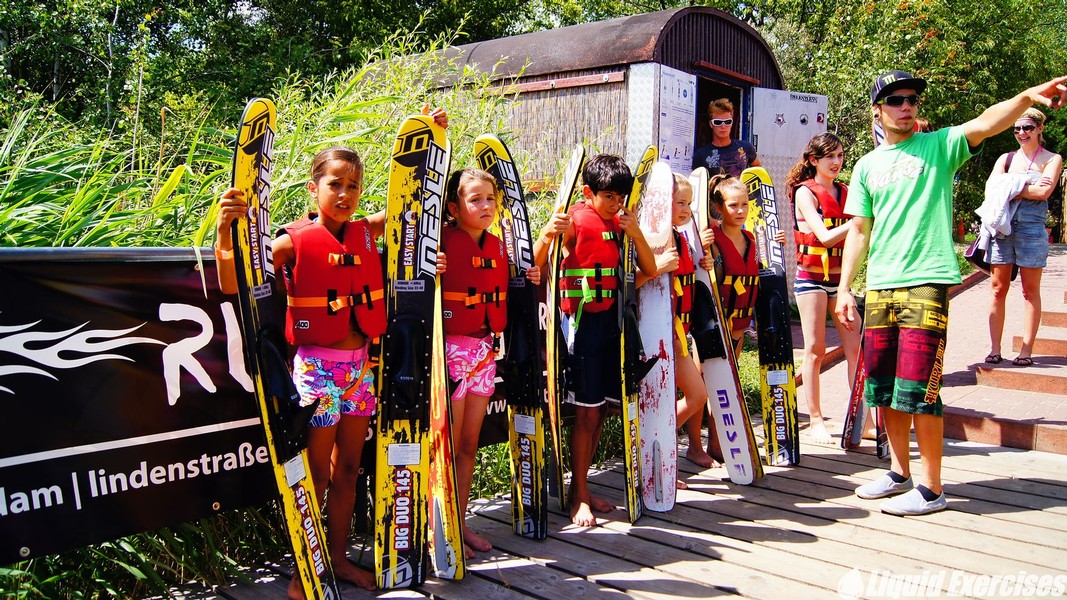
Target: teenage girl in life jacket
column 474, row 294
column 820, row 228
column 326, row 251
column 679, row 262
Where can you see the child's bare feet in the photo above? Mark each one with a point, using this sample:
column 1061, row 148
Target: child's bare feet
column 475, row 541
column 344, row 570
column 819, row 432
column 296, row 589
column 600, row 504
column 582, row 515
column 681, row 485
column 699, row 457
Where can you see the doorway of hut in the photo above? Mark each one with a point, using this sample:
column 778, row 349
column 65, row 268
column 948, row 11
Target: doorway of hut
column 708, row 90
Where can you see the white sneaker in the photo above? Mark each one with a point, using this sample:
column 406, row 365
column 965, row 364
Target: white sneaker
column 913, row 503
column 883, row 487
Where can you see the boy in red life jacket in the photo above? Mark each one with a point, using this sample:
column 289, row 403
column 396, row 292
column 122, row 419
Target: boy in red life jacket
column 592, row 237
column 679, row 261
column 474, row 292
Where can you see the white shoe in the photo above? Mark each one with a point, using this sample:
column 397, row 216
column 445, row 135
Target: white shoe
column 883, row 487
column 913, row 503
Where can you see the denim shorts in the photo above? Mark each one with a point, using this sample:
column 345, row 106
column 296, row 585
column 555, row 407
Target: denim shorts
column 1027, row 246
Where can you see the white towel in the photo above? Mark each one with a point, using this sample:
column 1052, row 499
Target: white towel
column 999, row 206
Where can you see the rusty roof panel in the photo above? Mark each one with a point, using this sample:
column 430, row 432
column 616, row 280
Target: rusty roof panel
column 677, row 38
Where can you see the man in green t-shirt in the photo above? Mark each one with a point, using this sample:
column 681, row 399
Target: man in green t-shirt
column 901, row 196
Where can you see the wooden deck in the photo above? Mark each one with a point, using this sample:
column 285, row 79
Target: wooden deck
column 798, row 533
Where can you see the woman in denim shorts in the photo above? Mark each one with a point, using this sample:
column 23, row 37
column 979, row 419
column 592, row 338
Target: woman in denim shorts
column 1027, row 245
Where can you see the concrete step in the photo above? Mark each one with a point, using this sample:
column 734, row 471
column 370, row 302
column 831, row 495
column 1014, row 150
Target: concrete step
column 1050, row 341
column 1048, row 374
column 1010, row 418
column 1053, row 318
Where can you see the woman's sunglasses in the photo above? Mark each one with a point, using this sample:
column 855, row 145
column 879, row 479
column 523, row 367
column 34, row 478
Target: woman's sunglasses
column 898, row 100
column 721, row 122
column 1022, row 128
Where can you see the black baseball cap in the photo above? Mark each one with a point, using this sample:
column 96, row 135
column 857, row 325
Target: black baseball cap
column 892, row 81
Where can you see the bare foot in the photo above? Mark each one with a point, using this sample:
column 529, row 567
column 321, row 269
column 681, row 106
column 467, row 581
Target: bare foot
column 296, row 589
column 582, row 515
column 468, row 553
column 475, row 541
column 819, row 432
column 344, row 570
column 870, row 434
column 681, row 485
column 715, row 453
column 697, row 456
column 600, row 505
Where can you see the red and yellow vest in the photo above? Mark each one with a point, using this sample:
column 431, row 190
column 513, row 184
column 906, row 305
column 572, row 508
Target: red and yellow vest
column 474, row 287
column 332, row 283
column 812, row 254
column 684, row 280
column 591, row 272
column 740, row 281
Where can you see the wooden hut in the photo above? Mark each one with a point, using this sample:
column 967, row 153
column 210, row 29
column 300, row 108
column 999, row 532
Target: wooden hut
column 623, row 84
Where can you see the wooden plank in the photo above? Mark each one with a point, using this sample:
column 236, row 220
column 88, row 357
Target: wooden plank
column 997, row 502
column 531, row 576
column 779, row 501
column 1011, row 541
column 474, row 585
column 612, row 570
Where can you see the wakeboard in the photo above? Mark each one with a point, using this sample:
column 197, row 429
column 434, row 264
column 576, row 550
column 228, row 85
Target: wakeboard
column 555, row 344
column 414, row 211
column 634, row 365
column 521, row 369
column 657, row 399
column 262, row 306
column 711, row 337
column 778, row 388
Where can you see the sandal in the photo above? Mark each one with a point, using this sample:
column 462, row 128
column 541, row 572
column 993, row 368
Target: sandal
column 1022, row 361
column 994, row 359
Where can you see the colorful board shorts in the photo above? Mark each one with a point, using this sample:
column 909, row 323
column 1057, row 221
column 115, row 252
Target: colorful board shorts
column 804, row 284
column 471, row 365
column 904, row 348
column 341, row 380
column 594, row 360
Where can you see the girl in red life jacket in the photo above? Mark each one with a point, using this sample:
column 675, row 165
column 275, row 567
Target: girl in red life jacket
column 474, row 293
column 734, row 255
column 820, row 229
column 679, row 261
column 333, row 279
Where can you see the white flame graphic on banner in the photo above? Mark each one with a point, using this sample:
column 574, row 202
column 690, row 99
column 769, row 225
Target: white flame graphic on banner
column 71, row 348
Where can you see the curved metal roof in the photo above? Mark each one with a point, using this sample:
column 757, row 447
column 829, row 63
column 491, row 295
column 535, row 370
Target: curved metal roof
column 679, row 38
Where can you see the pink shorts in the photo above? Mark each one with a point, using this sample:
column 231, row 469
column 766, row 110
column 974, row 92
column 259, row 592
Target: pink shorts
column 340, row 380
column 471, row 365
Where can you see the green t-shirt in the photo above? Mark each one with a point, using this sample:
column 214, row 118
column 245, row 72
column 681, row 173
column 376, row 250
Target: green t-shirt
column 907, row 189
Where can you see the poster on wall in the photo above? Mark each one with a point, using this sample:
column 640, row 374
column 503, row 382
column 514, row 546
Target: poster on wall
column 677, row 118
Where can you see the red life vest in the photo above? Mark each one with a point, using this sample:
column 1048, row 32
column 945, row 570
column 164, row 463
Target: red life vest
column 684, row 281
column 740, row 281
column 595, row 260
column 812, row 254
column 475, row 286
column 333, row 283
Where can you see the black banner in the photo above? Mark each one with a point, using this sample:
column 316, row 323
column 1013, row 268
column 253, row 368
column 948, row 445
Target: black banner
column 125, row 402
